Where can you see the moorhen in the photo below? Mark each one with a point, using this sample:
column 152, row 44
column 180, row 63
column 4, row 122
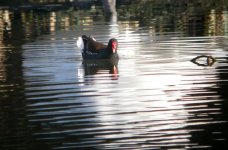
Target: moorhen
column 91, row 49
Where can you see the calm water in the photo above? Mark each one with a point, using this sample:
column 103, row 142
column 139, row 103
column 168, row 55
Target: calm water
column 154, row 97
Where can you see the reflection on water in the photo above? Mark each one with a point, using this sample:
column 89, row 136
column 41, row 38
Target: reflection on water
column 101, row 67
column 154, row 97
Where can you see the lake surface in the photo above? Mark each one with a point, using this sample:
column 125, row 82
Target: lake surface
column 154, row 97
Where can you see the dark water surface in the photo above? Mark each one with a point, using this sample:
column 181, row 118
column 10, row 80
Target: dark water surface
column 154, row 97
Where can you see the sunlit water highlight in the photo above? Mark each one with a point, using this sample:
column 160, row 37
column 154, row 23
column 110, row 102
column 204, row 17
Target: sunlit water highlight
column 153, row 97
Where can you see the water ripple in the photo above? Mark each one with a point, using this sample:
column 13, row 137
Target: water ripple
column 154, row 97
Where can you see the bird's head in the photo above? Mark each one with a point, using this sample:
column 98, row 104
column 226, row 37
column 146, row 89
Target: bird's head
column 113, row 43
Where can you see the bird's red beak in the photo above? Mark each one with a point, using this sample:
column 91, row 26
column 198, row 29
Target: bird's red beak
column 114, row 47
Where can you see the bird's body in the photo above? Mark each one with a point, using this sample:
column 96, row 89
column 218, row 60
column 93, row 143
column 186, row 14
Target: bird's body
column 91, row 49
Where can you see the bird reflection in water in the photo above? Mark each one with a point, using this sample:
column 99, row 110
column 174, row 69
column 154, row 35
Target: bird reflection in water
column 6, row 33
column 104, row 67
column 204, row 60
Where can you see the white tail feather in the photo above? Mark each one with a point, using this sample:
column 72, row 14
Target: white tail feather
column 80, row 44
column 92, row 38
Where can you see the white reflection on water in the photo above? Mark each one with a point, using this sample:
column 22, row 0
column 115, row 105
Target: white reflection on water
column 150, row 96
column 156, row 97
